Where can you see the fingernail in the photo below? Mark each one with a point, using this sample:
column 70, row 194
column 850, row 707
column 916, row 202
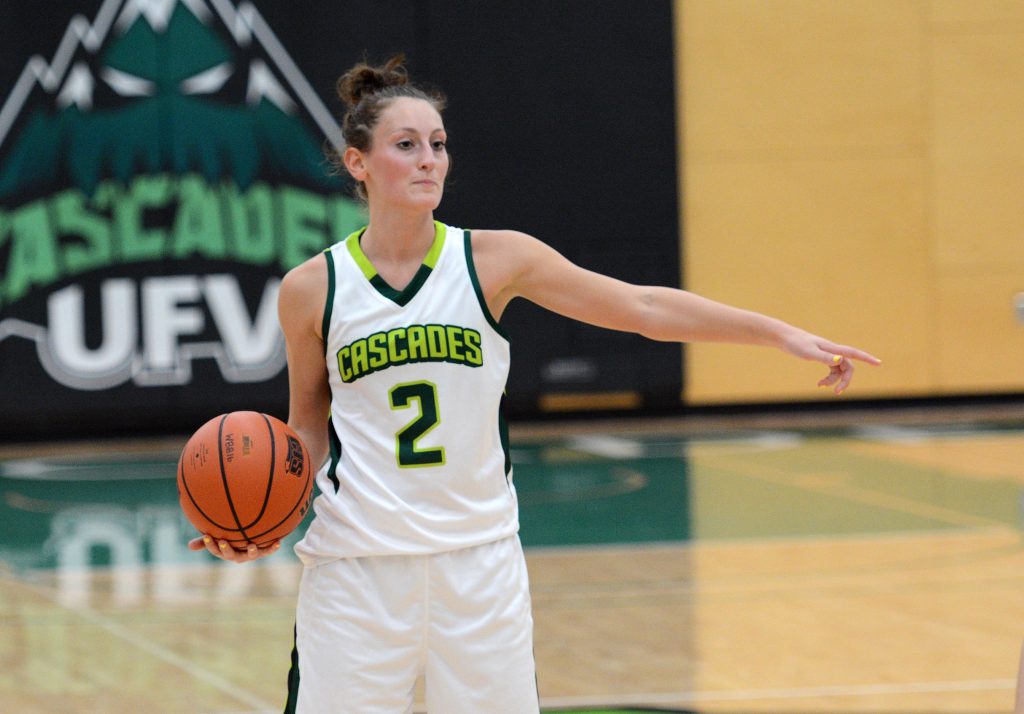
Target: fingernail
column 207, row 539
column 223, row 545
column 836, row 359
column 277, row 545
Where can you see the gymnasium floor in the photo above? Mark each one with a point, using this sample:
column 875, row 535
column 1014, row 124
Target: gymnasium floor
column 790, row 564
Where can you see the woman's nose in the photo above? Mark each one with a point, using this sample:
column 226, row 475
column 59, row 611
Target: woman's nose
column 426, row 157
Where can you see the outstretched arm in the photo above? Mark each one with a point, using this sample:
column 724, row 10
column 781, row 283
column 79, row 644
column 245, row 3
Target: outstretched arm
column 514, row 264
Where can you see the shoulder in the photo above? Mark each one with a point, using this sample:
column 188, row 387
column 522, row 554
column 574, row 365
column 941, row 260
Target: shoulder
column 304, row 288
column 513, row 250
column 503, row 245
column 499, row 255
column 507, row 262
column 308, row 275
column 491, row 238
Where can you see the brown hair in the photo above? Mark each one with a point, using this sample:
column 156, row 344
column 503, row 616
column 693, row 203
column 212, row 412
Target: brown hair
column 367, row 91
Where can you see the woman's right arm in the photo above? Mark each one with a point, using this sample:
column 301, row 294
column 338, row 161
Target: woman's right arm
column 300, row 306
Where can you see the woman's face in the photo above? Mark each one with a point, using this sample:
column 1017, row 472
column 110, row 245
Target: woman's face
column 407, row 163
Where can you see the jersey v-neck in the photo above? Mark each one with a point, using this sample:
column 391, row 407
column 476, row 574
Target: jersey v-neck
column 399, row 297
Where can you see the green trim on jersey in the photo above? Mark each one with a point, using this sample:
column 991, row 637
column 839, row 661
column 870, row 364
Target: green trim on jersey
column 334, row 444
column 478, row 290
column 502, row 420
column 440, row 231
column 325, row 326
column 503, row 433
column 292, row 703
column 352, row 243
column 399, row 297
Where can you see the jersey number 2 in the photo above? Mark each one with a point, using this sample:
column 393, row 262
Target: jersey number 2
column 425, row 396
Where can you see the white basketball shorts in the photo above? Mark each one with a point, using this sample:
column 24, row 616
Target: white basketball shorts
column 366, row 628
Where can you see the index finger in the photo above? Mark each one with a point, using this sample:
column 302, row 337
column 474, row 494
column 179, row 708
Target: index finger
column 829, row 352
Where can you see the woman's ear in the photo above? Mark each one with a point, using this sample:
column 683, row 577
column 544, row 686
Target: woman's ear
column 353, row 159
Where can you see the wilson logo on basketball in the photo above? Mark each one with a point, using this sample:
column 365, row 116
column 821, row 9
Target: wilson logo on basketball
column 148, row 207
column 229, row 447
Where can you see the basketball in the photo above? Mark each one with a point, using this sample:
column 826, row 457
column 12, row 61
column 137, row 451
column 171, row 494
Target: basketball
column 244, row 477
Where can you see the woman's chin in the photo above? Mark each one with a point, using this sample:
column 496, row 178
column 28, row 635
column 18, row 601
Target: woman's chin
column 425, row 201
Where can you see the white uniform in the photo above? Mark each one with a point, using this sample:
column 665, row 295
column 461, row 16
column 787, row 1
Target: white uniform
column 412, row 562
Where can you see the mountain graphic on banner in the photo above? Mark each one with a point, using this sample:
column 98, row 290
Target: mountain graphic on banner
column 164, row 86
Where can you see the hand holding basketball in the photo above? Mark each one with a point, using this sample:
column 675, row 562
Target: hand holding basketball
column 244, row 481
column 222, row 550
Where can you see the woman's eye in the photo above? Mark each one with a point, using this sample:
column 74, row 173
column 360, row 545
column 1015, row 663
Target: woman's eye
column 439, row 145
column 406, row 144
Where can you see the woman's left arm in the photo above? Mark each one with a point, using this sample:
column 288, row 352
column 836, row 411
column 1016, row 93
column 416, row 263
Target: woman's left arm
column 517, row 265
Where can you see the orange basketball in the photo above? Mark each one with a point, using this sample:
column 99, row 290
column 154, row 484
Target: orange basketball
column 244, row 477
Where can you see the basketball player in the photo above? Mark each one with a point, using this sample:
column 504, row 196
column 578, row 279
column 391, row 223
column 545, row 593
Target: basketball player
column 413, row 563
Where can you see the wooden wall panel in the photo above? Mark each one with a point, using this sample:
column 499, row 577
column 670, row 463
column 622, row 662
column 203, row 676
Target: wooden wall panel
column 804, row 186
column 977, row 15
column 868, row 151
column 977, row 84
column 981, row 341
column 835, row 246
column 977, row 150
column 782, row 79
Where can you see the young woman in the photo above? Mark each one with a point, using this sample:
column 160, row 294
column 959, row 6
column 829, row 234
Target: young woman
column 412, row 562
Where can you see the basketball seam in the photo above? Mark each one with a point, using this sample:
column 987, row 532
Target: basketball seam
column 188, row 492
column 304, row 498
column 270, row 480
column 224, row 476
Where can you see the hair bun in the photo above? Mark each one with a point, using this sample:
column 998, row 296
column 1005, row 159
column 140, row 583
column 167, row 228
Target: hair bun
column 364, row 79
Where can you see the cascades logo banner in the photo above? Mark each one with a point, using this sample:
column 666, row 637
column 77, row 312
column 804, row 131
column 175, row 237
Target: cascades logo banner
column 160, row 169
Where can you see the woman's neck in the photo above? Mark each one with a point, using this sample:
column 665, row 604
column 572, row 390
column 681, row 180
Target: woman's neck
column 398, row 238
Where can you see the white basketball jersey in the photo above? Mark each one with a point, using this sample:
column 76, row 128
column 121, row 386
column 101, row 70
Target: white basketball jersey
column 419, row 452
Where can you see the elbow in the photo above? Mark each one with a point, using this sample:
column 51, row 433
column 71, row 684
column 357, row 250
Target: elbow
column 661, row 318
column 647, row 320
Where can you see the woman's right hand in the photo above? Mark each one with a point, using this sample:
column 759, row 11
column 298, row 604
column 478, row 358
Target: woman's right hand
column 223, row 550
